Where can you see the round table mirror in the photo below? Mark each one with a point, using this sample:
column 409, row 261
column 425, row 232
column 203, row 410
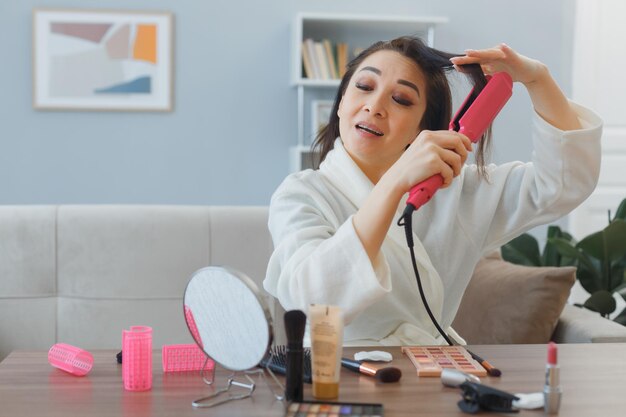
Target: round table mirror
column 227, row 317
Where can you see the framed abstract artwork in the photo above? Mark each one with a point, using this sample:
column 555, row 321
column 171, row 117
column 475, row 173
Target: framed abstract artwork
column 102, row 60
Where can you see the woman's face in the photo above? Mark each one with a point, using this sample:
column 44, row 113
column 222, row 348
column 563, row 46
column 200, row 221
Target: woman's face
column 381, row 110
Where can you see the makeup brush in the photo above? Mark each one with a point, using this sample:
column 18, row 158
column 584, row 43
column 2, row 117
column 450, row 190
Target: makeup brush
column 295, row 320
column 491, row 370
column 386, row 374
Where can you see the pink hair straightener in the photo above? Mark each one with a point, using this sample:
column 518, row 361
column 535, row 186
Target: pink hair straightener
column 472, row 119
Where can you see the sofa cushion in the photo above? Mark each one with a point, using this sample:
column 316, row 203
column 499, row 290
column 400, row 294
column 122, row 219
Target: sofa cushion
column 27, row 277
column 508, row 303
column 27, row 251
column 109, row 252
column 579, row 325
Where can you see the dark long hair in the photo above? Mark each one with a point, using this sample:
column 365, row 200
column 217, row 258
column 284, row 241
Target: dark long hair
column 434, row 64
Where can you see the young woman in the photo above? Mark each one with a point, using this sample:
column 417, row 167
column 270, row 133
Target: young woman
column 335, row 238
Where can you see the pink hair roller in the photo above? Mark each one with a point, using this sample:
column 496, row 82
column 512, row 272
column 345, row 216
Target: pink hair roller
column 137, row 358
column 70, row 359
column 180, row 358
column 192, row 326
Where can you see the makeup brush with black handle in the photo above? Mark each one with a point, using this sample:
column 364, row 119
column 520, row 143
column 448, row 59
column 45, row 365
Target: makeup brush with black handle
column 295, row 321
column 383, row 374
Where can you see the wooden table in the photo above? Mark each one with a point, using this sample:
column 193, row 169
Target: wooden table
column 593, row 380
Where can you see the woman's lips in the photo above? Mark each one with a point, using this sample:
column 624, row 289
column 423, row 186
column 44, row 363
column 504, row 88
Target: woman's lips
column 369, row 128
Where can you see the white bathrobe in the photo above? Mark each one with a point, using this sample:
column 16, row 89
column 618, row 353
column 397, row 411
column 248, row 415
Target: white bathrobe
column 318, row 257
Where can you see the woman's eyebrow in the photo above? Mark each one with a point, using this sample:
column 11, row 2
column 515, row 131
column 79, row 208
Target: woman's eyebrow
column 403, row 82
column 373, row 69
column 411, row 85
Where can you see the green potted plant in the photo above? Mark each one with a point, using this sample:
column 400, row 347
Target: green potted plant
column 600, row 259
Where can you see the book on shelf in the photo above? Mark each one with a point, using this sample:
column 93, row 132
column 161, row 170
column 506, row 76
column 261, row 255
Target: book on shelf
column 324, row 60
column 342, row 58
column 330, row 59
column 306, row 62
column 308, row 47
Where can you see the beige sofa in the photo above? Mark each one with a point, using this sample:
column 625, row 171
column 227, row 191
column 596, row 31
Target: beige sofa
column 81, row 274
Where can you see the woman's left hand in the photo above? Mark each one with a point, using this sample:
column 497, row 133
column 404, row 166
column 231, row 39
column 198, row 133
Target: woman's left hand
column 503, row 58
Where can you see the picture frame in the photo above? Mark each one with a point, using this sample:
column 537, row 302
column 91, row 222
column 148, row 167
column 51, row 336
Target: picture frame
column 102, row 60
column 320, row 115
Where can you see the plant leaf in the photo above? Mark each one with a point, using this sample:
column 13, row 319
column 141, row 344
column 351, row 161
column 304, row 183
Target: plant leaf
column 616, row 239
column 523, row 250
column 564, row 247
column 601, row 301
column 569, row 237
column 621, row 211
column 608, row 244
column 551, row 256
column 593, row 244
column 591, row 281
column 618, row 275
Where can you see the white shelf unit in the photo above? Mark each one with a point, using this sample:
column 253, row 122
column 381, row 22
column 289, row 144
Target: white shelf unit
column 358, row 31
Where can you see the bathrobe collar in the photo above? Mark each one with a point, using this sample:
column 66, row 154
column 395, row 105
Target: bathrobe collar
column 345, row 174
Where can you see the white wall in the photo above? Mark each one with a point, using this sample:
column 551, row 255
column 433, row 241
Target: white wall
column 227, row 140
column 599, row 62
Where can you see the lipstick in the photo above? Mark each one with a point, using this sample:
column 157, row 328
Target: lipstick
column 552, row 388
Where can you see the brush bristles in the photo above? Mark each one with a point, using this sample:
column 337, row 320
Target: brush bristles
column 390, row 374
column 295, row 322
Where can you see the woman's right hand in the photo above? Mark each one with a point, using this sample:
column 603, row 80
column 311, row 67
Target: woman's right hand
column 432, row 152
column 440, row 152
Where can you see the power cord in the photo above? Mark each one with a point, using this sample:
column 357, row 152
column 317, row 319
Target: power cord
column 406, row 220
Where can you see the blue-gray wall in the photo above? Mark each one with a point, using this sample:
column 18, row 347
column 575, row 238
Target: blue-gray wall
column 227, row 140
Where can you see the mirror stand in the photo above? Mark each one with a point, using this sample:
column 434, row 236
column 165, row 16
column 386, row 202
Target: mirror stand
column 212, row 376
column 213, row 400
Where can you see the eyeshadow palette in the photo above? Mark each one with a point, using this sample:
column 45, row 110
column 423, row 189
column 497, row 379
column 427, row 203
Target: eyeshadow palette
column 431, row 360
column 326, row 409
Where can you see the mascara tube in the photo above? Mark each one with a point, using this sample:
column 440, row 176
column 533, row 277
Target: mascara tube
column 295, row 321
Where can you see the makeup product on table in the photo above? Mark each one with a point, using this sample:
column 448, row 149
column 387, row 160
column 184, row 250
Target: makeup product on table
column 71, row 359
column 373, row 356
column 382, row 373
column 491, row 370
column 332, row 409
column 326, row 326
column 432, row 360
column 180, row 358
column 552, row 388
column 454, row 378
column 277, row 362
column 295, row 321
column 529, row 401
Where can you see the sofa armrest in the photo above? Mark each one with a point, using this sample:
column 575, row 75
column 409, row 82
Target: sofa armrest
column 579, row 325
